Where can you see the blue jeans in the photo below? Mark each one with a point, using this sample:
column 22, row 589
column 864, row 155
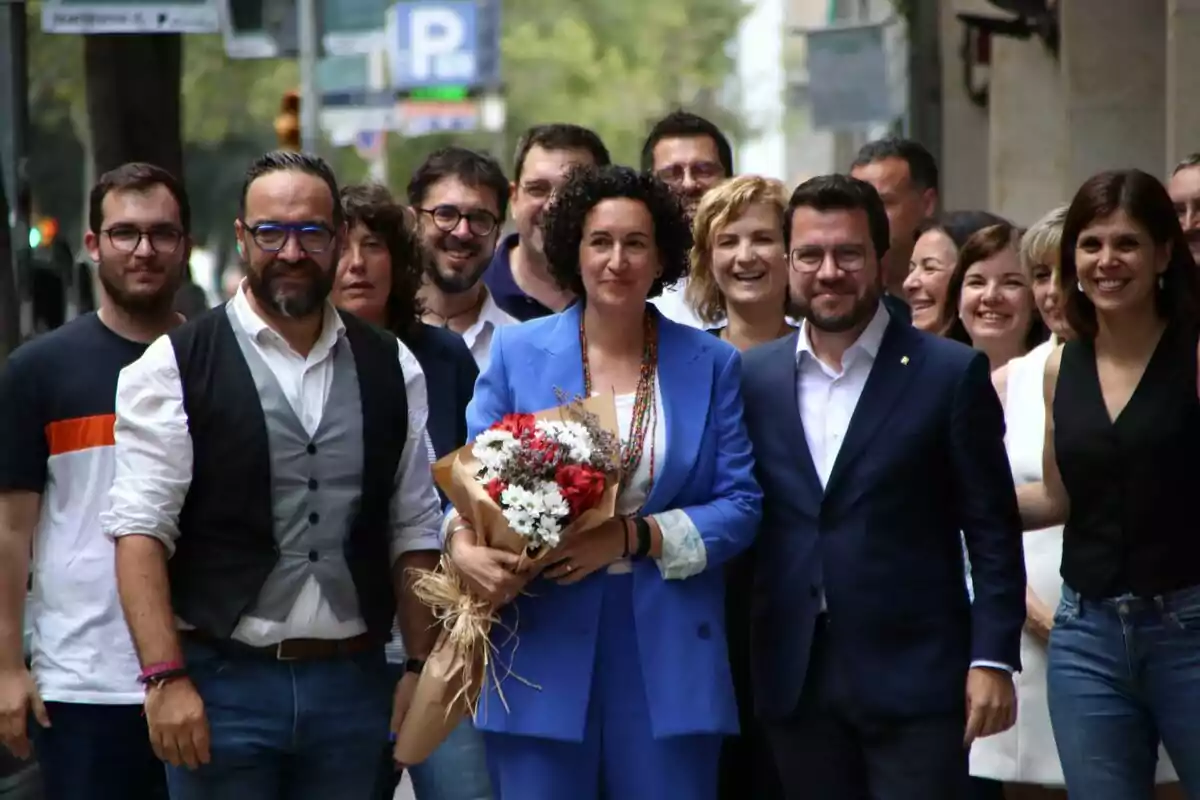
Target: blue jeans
column 94, row 752
column 1123, row 674
column 457, row 770
column 288, row 730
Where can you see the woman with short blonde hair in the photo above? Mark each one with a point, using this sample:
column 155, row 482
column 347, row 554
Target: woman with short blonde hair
column 739, row 273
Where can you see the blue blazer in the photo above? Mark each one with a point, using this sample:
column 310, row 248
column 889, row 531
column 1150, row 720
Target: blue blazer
column 707, row 472
column 450, row 373
column 923, row 459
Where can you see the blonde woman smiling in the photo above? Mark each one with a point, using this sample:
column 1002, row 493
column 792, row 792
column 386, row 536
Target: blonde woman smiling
column 739, row 272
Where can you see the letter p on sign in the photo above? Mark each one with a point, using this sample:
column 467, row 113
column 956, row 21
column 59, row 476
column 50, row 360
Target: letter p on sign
column 441, row 46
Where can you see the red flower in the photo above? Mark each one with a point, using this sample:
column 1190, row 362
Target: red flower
column 494, row 488
column 519, row 425
column 581, row 486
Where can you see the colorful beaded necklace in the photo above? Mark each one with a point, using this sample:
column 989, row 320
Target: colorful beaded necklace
column 643, row 400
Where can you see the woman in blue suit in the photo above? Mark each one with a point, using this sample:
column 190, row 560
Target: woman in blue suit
column 619, row 684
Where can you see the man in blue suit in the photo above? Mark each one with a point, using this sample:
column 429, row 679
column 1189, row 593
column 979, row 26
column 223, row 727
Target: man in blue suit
column 876, row 445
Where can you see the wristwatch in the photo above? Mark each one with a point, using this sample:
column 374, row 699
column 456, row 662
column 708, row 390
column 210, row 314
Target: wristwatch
column 414, row 665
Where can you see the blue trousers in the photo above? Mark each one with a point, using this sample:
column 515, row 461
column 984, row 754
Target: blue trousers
column 288, row 730
column 1123, row 674
column 618, row 759
column 94, row 752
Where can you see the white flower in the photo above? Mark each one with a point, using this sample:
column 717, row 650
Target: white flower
column 535, row 514
column 572, row 436
column 493, row 449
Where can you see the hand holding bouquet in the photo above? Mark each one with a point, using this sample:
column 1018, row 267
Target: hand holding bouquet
column 522, row 484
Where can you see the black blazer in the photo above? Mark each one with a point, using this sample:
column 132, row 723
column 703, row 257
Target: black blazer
column 450, row 374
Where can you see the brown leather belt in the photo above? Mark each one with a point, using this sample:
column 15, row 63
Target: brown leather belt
column 290, row 649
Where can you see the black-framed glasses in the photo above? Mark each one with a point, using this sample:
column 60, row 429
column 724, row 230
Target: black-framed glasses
column 847, row 258
column 701, row 172
column 127, row 238
column 273, row 236
column 480, row 221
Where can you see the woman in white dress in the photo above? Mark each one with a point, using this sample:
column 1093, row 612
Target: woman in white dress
column 1025, row 757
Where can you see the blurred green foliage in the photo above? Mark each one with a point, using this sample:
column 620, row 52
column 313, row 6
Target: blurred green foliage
column 613, row 66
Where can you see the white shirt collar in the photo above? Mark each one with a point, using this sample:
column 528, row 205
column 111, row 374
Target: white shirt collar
column 490, row 316
column 867, row 344
column 332, row 327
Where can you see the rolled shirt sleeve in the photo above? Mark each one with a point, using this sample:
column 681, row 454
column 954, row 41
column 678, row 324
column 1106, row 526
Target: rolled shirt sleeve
column 153, row 449
column 683, row 551
column 416, row 512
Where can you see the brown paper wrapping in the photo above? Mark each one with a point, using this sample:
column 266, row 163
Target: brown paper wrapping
column 460, row 663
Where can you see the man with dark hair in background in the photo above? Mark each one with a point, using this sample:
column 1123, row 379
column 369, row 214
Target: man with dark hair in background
column 56, row 466
column 272, row 493
column 459, row 198
column 691, row 155
column 906, row 176
column 519, row 278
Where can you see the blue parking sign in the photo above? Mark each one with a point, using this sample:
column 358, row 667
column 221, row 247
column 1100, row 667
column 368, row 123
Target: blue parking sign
column 435, row 44
column 444, row 42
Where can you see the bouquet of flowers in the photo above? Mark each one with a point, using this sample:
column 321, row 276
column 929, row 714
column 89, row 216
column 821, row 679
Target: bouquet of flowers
column 522, row 484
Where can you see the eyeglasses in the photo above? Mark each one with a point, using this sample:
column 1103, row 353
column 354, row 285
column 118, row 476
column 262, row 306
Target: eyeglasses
column 273, row 236
column 701, row 171
column 480, row 222
column 847, row 258
column 127, row 238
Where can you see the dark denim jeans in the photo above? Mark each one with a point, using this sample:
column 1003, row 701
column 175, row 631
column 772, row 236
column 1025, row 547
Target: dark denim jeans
column 1123, row 674
column 457, row 770
column 288, row 730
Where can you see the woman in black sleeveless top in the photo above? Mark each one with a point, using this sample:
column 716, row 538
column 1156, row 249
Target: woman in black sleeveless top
column 1121, row 471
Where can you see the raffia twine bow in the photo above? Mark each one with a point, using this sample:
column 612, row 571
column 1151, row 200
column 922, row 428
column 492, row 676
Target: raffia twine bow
column 468, row 621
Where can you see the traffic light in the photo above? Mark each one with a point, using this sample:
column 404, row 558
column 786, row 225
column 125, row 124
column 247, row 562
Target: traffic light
column 287, row 124
column 42, row 234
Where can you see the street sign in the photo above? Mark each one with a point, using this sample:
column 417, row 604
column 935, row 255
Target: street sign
column 853, row 76
column 130, row 16
column 421, row 118
column 369, row 144
column 267, row 28
column 439, row 43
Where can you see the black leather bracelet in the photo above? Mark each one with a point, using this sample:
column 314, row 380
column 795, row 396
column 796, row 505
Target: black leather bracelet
column 414, row 665
column 626, row 523
column 643, row 537
column 159, row 678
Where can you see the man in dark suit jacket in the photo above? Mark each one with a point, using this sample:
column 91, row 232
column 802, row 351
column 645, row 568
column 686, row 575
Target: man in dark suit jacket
column 876, row 445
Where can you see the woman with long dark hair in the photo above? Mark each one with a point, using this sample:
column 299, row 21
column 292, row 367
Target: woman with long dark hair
column 1119, row 469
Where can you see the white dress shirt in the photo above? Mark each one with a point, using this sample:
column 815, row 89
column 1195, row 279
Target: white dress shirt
column 154, row 458
column 479, row 336
column 828, row 397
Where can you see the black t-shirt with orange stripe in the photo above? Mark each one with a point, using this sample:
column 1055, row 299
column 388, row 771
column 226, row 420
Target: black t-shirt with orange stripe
column 57, row 396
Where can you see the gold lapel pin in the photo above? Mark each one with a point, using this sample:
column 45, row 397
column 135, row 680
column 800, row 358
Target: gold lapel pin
column 904, row 360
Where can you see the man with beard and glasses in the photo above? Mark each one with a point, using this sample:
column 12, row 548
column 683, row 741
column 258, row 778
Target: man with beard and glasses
column 691, row 155
column 1184, row 188
column 82, row 700
column 519, row 277
column 876, row 444
column 459, row 198
column 272, row 489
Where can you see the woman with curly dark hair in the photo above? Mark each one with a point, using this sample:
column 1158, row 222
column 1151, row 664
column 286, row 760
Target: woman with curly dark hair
column 377, row 279
column 624, row 687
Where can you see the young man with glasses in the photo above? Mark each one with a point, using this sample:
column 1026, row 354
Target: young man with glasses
column 691, row 155
column 82, row 703
column 272, row 491
column 460, row 198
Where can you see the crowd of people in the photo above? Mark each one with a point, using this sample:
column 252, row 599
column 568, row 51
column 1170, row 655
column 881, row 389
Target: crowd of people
column 902, row 509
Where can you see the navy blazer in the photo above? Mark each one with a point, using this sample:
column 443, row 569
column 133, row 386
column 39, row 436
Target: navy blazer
column 707, row 472
column 923, row 459
column 450, row 373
